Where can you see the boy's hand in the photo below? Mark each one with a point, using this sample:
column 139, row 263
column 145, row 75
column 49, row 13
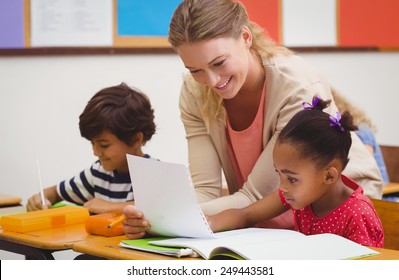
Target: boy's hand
column 135, row 226
column 35, row 203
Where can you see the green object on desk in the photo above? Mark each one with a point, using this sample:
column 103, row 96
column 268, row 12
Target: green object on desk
column 143, row 244
column 61, row 204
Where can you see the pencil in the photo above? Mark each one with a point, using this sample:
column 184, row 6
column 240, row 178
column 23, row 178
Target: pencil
column 40, row 183
column 117, row 221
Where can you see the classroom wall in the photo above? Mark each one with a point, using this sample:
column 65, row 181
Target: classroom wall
column 42, row 97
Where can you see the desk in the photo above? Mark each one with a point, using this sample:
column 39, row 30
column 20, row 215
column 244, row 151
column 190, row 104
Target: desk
column 42, row 243
column 390, row 188
column 9, row 205
column 108, row 248
column 6, row 200
column 386, row 254
column 5, row 210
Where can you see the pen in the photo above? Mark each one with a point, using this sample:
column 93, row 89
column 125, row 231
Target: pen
column 40, row 183
column 117, row 221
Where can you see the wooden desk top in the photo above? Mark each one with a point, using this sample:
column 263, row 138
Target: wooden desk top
column 59, row 238
column 386, row 254
column 390, row 188
column 12, row 210
column 108, row 248
column 6, row 200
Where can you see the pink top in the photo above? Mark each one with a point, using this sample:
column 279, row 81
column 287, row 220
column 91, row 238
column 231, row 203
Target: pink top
column 246, row 146
column 355, row 219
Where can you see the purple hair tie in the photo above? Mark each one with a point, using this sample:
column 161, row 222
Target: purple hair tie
column 308, row 106
column 336, row 121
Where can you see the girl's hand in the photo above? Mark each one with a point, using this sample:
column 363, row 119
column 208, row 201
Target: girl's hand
column 135, row 226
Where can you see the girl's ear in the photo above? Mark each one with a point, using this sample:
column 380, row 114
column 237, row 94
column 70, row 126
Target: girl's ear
column 331, row 175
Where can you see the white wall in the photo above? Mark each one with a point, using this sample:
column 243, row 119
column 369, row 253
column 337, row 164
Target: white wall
column 42, row 97
column 371, row 81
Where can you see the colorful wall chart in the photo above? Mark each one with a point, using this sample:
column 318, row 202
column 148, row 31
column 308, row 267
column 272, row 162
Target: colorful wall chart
column 29, row 24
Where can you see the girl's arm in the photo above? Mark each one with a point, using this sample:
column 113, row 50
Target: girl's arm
column 266, row 208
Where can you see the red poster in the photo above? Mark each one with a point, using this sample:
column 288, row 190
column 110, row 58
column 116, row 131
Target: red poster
column 371, row 23
column 267, row 14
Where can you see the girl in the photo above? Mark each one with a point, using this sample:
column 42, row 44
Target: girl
column 309, row 156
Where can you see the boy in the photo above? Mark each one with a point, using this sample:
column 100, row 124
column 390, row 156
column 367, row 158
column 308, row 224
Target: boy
column 117, row 121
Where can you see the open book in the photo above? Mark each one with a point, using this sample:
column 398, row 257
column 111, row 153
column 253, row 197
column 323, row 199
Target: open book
column 256, row 244
column 165, row 193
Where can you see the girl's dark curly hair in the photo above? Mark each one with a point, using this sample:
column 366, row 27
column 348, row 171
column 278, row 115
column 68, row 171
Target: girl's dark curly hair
column 317, row 135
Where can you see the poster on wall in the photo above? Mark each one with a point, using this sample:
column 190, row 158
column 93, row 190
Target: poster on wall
column 71, row 23
column 145, row 18
column 12, row 24
column 309, row 23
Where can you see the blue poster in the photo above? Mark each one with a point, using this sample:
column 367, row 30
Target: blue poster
column 144, row 18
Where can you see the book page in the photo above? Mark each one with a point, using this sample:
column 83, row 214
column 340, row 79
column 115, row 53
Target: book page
column 274, row 244
column 232, row 239
column 313, row 247
column 164, row 193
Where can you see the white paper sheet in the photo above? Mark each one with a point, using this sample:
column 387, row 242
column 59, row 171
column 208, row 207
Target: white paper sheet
column 57, row 23
column 308, row 23
column 164, row 193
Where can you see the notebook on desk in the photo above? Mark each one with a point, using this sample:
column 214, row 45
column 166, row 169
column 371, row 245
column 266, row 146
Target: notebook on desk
column 164, row 192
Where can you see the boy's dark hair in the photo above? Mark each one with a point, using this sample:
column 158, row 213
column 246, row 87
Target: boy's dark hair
column 122, row 111
column 318, row 137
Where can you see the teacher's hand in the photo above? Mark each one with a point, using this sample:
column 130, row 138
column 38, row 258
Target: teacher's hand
column 134, row 226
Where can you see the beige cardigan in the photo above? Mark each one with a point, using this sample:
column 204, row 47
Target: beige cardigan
column 289, row 81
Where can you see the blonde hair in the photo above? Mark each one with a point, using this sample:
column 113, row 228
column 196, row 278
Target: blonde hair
column 359, row 116
column 200, row 20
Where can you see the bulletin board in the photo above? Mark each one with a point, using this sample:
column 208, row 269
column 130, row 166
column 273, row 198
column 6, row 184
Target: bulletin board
column 369, row 23
column 137, row 26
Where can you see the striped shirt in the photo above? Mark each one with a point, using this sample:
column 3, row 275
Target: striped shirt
column 95, row 182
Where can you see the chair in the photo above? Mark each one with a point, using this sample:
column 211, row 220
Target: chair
column 391, row 158
column 388, row 211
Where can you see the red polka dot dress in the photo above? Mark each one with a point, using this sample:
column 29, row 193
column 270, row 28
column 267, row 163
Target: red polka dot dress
column 355, row 219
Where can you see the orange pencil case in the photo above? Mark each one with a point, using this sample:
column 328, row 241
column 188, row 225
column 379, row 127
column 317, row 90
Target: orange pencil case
column 44, row 219
column 97, row 224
